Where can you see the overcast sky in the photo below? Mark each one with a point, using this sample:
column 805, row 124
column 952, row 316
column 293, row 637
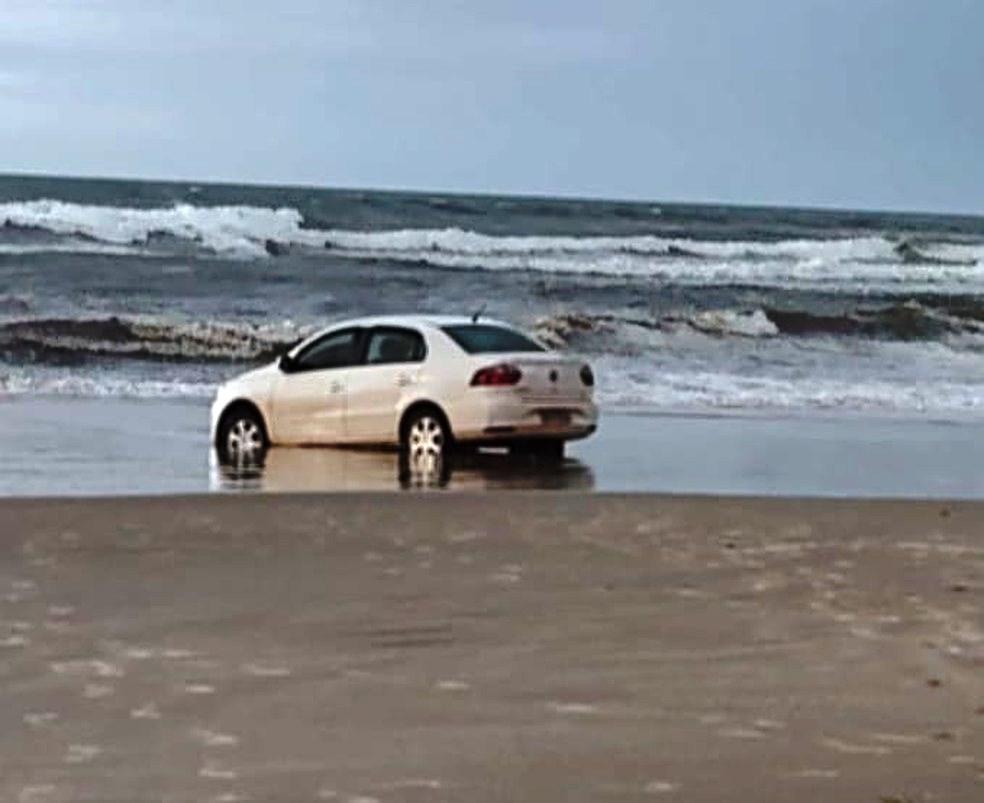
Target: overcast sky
column 861, row 103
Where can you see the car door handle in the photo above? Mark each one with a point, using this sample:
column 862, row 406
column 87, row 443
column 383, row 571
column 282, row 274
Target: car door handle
column 402, row 380
column 335, row 387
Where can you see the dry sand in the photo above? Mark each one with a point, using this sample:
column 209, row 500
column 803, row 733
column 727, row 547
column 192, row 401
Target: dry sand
column 512, row 647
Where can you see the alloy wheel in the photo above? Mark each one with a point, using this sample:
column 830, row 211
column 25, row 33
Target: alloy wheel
column 426, row 442
column 244, row 440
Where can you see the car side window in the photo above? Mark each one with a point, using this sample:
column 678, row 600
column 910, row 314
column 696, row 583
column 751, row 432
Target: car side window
column 334, row 350
column 391, row 345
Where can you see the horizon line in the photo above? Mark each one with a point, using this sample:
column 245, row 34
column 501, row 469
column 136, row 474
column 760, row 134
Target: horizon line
column 533, row 196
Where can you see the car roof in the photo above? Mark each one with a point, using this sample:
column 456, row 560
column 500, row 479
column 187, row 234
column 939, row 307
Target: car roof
column 419, row 321
column 413, row 320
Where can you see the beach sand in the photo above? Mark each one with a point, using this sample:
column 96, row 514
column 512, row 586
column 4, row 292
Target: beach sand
column 520, row 647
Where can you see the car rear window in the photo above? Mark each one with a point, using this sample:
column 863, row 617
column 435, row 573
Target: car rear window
column 484, row 338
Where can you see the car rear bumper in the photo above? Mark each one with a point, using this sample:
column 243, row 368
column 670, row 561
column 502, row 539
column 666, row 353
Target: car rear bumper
column 507, row 433
column 492, row 416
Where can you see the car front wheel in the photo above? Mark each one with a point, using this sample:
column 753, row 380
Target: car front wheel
column 242, row 437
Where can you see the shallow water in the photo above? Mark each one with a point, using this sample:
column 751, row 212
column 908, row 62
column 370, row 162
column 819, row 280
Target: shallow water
column 58, row 446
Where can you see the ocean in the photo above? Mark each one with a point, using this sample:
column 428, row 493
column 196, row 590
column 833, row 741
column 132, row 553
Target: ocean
column 163, row 289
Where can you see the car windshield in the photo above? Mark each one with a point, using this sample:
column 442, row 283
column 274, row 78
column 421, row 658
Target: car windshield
column 484, row 338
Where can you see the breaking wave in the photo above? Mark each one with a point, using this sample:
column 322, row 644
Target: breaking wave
column 910, row 321
column 903, row 358
column 757, row 360
column 242, row 230
column 58, row 341
column 259, row 232
column 61, row 341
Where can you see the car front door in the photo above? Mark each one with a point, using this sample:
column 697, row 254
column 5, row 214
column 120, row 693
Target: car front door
column 391, row 367
column 310, row 398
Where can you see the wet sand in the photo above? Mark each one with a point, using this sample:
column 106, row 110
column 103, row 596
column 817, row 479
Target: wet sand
column 490, row 648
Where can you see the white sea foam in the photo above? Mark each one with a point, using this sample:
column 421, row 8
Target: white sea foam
column 813, row 272
column 458, row 241
column 958, row 252
column 734, row 322
column 224, row 229
column 728, row 391
column 71, row 247
column 631, row 382
column 22, row 381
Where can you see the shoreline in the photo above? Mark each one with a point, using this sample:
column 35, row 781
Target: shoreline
column 160, row 446
column 833, row 414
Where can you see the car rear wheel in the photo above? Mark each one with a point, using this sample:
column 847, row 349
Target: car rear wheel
column 242, row 437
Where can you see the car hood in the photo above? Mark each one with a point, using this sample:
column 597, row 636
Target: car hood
column 259, row 379
column 261, row 374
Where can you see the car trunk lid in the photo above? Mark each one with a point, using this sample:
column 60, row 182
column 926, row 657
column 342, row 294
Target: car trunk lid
column 549, row 379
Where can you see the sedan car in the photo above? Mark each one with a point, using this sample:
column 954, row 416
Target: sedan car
column 424, row 383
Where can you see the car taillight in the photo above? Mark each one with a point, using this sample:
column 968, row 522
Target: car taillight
column 587, row 376
column 497, row 376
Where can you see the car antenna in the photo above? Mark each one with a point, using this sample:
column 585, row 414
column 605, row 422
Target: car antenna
column 478, row 313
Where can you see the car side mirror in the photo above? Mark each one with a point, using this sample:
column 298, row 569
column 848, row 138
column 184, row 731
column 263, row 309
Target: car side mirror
column 286, row 363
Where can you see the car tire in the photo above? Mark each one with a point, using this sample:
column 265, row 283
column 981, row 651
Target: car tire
column 425, row 445
column 242, row 437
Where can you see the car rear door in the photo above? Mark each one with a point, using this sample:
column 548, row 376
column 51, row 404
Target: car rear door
column 394, row 357
column 309, row 401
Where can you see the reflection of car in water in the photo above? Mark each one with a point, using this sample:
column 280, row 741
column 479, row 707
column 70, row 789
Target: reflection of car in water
column 424, row 383
column 347, row 469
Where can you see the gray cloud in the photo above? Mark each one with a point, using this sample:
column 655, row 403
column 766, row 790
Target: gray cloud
column 870, row 102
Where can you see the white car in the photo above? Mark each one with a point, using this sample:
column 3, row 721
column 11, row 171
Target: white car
column 425, row 383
